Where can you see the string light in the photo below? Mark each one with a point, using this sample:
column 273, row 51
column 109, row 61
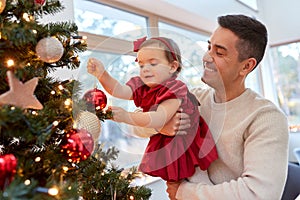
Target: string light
column 27, row 17
column 10, row 63
column 34, row 112
column 68, row 102
column 37, row 159
column 27, row 182
column 52, row 92
column 60, row 87
column 51, row 191
column 55, row 123
column 65, row 168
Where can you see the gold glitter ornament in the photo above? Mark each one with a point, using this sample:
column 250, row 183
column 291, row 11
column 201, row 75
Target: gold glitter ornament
column 90, row 122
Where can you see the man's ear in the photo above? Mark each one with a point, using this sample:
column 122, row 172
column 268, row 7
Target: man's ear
column 174, row 66
column 249, row 65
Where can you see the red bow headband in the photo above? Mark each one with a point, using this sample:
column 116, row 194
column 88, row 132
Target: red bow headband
column 139, row 42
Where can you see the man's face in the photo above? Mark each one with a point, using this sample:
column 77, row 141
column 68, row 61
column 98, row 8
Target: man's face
column 221, row 64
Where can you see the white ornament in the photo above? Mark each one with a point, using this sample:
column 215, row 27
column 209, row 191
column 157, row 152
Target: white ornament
column 2, row 5
column 49, row 49
column 90, row 122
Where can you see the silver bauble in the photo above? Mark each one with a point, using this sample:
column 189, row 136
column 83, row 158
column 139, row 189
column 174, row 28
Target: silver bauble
column 49, row 49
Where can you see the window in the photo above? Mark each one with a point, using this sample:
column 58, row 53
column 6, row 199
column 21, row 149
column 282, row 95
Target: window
column 115, row 134
column 100, row 19
column 110, row 32
column 286, row 69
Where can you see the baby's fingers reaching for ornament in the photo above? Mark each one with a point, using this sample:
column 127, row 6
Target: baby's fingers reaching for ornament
column 118, row 113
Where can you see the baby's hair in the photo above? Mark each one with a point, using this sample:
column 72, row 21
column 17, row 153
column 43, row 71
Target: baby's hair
column 171, row 49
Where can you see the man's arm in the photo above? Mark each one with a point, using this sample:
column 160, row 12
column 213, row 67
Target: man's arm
column 265, row 165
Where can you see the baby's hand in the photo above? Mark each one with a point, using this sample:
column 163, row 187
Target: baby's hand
column 119, row 114
column 95, row 67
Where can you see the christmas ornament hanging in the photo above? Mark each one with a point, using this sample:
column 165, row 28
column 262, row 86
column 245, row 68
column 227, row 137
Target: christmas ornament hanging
column 39, row 2
column 21, row 94
column 49, row 49
column 8, row 165
column 96, row 98
column 77, row 145
column 90, row 122
column 2, row 5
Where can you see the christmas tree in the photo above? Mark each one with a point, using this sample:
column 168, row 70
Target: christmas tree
column 48, row 145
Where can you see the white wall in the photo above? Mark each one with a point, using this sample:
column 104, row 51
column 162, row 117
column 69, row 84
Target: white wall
column 282, row 19
column 213, row 8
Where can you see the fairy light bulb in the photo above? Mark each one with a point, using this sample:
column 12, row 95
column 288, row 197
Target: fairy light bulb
column 27, row 182
column 37, row 159
column 55, row 123
column 10, row 62
column 65, row 168
column 68, row 102
column 53, row 191
column 26, row 17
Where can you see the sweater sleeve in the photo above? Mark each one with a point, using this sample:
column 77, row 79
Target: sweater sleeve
column 265, row 164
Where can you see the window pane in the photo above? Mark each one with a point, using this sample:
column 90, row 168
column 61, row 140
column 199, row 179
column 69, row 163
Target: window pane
column 286, row 70
column 192, row 46
column 99, row 19
column 121, row 67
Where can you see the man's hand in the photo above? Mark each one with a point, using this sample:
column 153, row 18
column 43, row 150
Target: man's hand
column 177, row 125
column 172, row 188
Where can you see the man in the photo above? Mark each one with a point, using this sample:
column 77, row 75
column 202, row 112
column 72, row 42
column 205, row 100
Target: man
column 250, row 132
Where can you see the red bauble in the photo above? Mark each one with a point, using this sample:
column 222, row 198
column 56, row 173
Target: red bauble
column 77, row 145
column 39, row 2
column 96, row 98
column 8, row 165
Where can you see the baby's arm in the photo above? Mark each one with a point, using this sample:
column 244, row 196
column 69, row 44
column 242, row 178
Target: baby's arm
column 152, row 119
column 111, row 85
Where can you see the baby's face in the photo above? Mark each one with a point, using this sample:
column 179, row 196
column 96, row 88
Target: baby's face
column 154, row 66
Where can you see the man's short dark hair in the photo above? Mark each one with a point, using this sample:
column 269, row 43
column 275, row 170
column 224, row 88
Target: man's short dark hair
column 252, row 34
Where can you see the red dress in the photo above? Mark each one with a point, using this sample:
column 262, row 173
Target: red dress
column 174, row 157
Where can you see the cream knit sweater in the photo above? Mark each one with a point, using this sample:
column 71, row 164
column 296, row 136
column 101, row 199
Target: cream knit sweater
column 251, row 135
